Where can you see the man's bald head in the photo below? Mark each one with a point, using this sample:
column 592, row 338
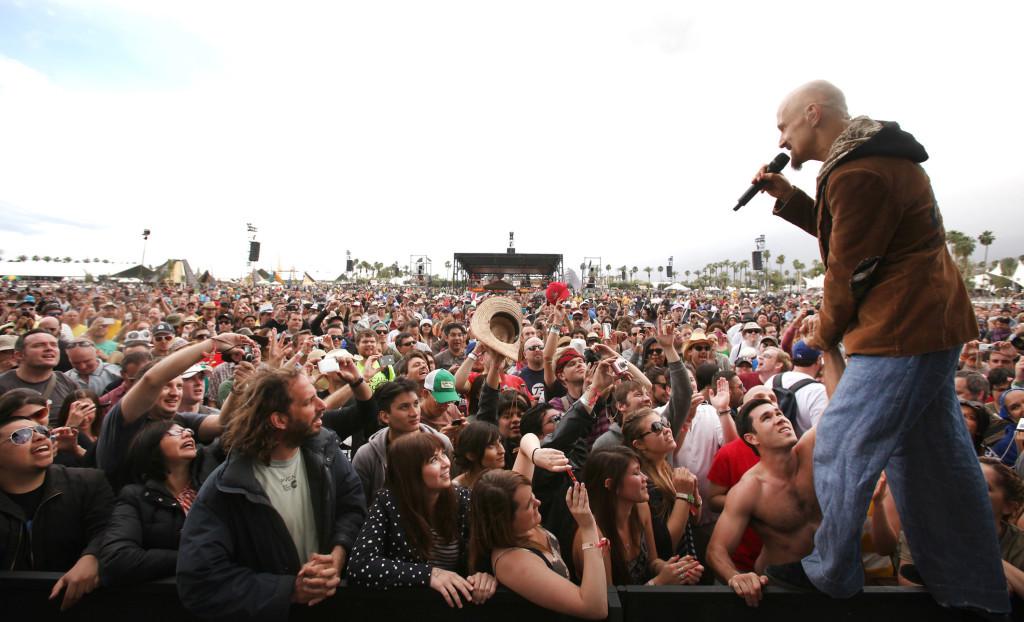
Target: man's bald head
column 809, row 120
column 819, row 92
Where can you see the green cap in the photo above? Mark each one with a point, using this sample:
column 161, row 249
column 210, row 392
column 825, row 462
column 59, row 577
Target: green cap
column 441, row 383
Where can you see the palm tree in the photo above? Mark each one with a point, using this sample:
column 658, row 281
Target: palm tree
column 66, row 260
column 781, row 259
column 633, row 272
column 35, row 257
column 648, row 270
column 660, row 270
column 608, row 269
column 22, row 257
column 985, row 239
column 962, row 248
column 447, row 268
column 799, row 267
column 47, row 258
column 687, row 273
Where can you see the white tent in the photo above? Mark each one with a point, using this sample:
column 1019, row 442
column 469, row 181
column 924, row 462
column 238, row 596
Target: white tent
column 677, row 287
column 817, row 282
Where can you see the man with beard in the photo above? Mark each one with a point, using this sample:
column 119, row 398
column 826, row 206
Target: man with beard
column 273, row 525
column 157, row 394
column 881, row 237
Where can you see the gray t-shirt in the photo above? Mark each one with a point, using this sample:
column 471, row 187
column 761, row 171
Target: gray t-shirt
column 287, row 487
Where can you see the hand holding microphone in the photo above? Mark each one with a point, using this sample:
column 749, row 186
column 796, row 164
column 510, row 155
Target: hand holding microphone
column 768, row 179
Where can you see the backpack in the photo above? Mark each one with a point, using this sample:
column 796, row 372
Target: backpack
column 787, row 397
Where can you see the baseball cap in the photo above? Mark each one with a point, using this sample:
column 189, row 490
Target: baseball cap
column 441, row 383
column 769, row 339
column 268, row 308
column 677, row 306
column 137, row 338
column 7, row 342
column 427, row 321
column 803, row 354
column 752, row 326
column 163, row 328
column 198, row 368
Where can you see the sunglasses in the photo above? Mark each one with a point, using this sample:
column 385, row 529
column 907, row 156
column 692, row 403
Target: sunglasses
column 405, row 344
column 179, row 432
column 163, row 337
column 24, row 435
column 752, row 332
column 534, row 348
column 655, row 351
column 381, row 332
column 657, row 427
column 78, row 344
column 701, row 348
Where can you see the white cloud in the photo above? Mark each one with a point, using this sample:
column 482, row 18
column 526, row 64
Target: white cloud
column 589, row 128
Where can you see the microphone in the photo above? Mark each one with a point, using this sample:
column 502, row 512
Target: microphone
column 775, row 166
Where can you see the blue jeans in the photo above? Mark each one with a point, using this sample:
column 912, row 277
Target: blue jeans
column 901, row 414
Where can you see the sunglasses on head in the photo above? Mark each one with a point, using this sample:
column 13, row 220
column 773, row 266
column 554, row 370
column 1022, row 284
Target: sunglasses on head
column 24, row 435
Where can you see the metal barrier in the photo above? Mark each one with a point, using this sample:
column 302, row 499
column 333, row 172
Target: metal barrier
column 24, row 597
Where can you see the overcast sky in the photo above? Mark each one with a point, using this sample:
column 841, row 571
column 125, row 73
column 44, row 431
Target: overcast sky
column 624, row 130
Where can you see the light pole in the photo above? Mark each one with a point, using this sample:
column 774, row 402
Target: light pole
column 145, row 238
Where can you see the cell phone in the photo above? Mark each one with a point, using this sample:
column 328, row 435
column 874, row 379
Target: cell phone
column 572, row 476
column 327, row 365
column 607, row 329
column 386, row 360
column 620, row 366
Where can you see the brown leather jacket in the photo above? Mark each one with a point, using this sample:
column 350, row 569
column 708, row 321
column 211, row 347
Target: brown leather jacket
column 891, row 287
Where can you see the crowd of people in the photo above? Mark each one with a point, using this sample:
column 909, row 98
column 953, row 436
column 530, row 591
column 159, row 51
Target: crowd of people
column 266, row 445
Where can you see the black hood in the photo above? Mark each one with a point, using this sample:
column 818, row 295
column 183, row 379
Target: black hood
column 892, row 142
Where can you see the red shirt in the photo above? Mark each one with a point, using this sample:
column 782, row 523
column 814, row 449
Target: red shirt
column 508, row 381
column 733, row 460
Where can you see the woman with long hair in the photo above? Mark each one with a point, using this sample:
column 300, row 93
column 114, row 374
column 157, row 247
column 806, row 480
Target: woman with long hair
column 477, row 449
column 143, row 534
column 618, row 498
column 507, row 538
column 673, row 492
column 82, row 413
column 417, row 530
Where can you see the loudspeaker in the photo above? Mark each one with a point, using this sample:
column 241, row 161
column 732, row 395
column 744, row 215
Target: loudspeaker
column 755, row 258
column 668, row 272
column 254, row 251
column 348, row 265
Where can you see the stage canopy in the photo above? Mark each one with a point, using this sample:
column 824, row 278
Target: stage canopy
column 477, row 270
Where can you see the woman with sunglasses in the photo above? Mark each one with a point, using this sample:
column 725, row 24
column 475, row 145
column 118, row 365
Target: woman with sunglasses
column 142, row 539
column 673, row 492
column 68, row 509
column 417, row 531
column 507, row 538
column 618, row 498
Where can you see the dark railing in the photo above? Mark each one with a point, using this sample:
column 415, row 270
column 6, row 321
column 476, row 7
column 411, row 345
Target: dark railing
column 24, row 596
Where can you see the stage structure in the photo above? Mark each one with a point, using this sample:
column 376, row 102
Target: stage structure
column 505, row 271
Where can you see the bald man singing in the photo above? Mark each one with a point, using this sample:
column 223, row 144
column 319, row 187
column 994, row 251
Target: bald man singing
column 895, row 299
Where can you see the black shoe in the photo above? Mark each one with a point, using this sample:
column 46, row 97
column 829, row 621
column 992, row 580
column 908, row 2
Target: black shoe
column 791, row 576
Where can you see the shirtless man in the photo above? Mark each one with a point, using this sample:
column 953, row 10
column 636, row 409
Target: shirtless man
column 775, row 497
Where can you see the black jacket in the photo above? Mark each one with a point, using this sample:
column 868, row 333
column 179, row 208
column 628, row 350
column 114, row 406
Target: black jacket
column 141, row 543
column 383, row 556
column 237, row 559
column 68, row 524
column 357, row 420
